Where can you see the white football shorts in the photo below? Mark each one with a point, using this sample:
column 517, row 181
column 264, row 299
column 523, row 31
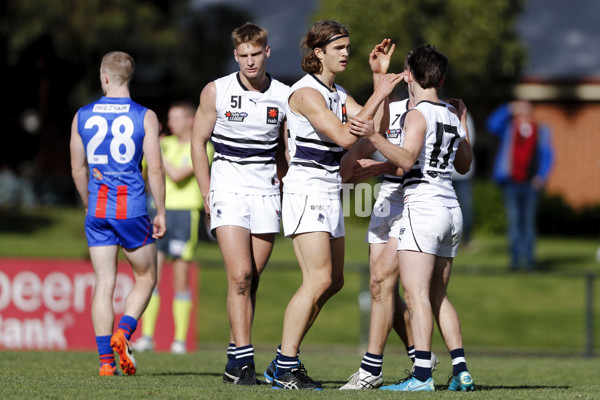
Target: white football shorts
column 257, row 213
column 429, row 229
column 386, row 211
column 305, row 213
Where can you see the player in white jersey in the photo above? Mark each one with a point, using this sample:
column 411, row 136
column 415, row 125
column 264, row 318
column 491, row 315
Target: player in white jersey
column 431, row 223
column 388, row 310
column 244, row 115
column 312, row 211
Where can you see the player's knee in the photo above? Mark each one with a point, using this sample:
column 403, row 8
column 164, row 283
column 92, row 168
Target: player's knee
column 242, row 283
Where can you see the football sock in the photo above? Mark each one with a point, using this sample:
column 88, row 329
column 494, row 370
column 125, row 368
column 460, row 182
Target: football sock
column 151, row 315
column 128, row 324
column 411, row 353
column 279, row 351
column 182, row 307
column 422, row 365
column 105, row 351
column 244, row 354
column 459, row 363
column 284, row 364
column 372, row 363
column 230, row 356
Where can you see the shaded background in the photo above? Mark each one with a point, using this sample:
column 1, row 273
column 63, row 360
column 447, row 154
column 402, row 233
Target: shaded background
column 545, row 51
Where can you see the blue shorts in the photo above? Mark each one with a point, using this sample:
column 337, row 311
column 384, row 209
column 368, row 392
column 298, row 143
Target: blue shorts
column 129, row 233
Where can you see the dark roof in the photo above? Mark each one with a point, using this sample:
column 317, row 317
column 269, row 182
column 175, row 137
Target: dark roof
column 563, row 39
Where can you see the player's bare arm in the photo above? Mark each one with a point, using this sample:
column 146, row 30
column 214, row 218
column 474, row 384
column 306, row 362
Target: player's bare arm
column 310, row 103
column 464, row 153
column 79, row 166
column 204, row 123
column 362, row 149
column 379, row 60
column 404, row 157
column 282, row 156
column 156, row 172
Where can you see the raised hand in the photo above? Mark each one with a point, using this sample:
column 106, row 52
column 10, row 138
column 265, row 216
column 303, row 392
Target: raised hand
column 380, row 56
column 459, row 106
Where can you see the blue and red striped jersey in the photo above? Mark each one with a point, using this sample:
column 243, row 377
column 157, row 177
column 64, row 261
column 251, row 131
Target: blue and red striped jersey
column 112, row 130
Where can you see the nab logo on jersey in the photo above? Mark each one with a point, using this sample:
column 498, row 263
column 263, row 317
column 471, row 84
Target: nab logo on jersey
column 272, row 115
column 236, row 116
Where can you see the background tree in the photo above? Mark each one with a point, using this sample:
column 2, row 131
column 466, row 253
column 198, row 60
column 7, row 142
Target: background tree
column 50, row 52
column 479, row 38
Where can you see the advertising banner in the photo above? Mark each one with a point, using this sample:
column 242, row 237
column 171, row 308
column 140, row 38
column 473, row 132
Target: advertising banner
column 46, row 305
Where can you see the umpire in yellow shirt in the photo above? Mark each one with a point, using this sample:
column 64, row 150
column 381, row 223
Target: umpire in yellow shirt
column 185, row 215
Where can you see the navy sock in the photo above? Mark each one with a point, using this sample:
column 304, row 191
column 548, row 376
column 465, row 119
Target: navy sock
column 422, row 365
column 372, row 363
column 128, row 324
column 284, row 364
column 459, row 363
column 279, row 352
column 244, row 354
column 230, row 356
column 411, row 353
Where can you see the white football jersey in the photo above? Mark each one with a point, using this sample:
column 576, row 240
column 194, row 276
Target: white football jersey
column 315, row 159
column 394, row 135
column 430, row 178
column 245, row 136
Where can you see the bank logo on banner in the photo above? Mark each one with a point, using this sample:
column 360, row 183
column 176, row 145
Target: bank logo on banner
column 38, row 307
column 46, row 305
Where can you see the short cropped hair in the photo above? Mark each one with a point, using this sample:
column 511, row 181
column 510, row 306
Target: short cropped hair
column 188, row 107
column 428, row 66
column 119, row 65
column 249, row 33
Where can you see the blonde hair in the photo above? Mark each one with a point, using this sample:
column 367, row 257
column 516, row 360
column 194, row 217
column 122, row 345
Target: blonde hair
column 119, row 65
column 319, row 35
column 249, row 33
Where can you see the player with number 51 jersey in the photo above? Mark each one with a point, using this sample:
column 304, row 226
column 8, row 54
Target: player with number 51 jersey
column 112, row 131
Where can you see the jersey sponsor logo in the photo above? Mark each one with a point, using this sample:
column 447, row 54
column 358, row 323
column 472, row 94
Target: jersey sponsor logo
column 272, row 115
column 393, row 133
column 97, row 174
column 236, row 116
column 111, row 108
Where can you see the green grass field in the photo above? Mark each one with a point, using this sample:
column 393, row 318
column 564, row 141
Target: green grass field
column 198, row 375
column 524, row 334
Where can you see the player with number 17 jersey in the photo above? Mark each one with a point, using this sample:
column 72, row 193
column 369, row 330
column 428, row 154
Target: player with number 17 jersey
column 112, row 131
column 430, row 178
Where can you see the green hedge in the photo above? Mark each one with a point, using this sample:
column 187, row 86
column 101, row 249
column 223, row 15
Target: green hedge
column 555, row 217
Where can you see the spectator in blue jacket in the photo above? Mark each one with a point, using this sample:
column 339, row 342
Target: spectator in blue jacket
column 523, row 163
